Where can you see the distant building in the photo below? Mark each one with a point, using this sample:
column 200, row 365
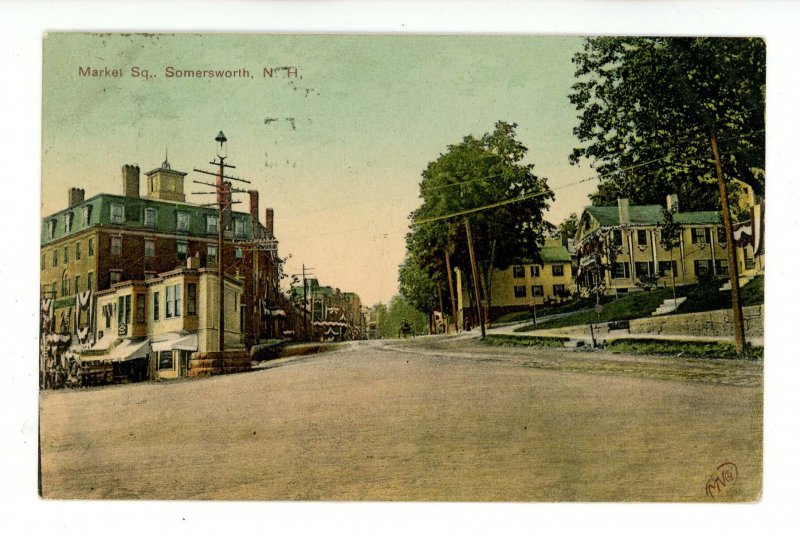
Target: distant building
column 524, row 283
column 331, row 314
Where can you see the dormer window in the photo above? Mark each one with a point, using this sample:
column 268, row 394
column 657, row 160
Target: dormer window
column 211, row 224
column 87, row 214
column 149, row 217
column 238, row 228
column 182, row 221
column 117, row 213
column 68, row 222
column 51, row 229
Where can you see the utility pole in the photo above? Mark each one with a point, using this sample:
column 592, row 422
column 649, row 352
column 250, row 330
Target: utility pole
column 305, row 272
column 733, row 268
column 224, row 192
column 450, row 284
column 475, row 278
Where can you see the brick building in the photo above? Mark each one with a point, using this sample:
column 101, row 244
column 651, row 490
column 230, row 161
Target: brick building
column 94, row 244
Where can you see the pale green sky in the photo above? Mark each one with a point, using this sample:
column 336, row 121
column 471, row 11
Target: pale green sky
column 369, row 113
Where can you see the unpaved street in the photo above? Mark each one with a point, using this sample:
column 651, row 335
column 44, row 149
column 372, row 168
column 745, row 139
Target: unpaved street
column 428, row 419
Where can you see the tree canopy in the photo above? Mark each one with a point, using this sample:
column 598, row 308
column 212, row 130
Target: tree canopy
column 655, row 100
column 477, row 173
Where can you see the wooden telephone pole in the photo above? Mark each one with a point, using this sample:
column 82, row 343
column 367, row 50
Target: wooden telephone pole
column 475, row 284
column 224, row 194
column 733, row 268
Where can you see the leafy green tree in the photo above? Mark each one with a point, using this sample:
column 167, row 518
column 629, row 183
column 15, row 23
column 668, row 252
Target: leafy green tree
column 476, row 173
column 418, row 286
column 569, row 227
column 643, row 98
column 399, row 310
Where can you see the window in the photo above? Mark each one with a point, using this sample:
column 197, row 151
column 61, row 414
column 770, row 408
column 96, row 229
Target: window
column 66, row 254
column 558, row 290
column 91, row 247
column 149, row 248
column 64, row 286
column 90, row 281
column 616, row 237
column 156, row 307
column 55, row 257
column 667, row 268
column 212, row 253
column 182, row 221
column 534, row 271
column 68, row 222
column 558, row 269
column 77, row 251
column 149, row 217
column 520, row 291
column 519, row 271
column 641, row 237
column 643, row 268
column 173, row 301
column 238, row 252
column 211, row 224
column 165, row 361
column 620, row 270
column 191, row 299
column 722, row 238
column 124, row 310
column 116, row 245
column 238, row 227
column 140, row 308
column 722, row 267
column 117, row 213
column 701, row 235
column 537, row 290
column 77, row 284
column 51, row 229
column 702, row 268
column 87, row 213
column 116, row 276
column 181, row 250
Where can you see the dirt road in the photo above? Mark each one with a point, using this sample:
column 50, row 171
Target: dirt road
column 422, row 420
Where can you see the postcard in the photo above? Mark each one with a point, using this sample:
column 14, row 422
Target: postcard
column 451, row 268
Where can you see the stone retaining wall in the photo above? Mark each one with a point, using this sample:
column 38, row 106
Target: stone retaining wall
column 708, row 323
column 214, row 363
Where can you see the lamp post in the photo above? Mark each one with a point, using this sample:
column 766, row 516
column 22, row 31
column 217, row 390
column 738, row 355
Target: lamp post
column 222, row 153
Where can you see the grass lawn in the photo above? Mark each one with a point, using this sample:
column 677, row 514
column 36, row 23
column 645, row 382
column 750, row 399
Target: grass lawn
column 708, row 297
column 711, row 350
column 512, row 340
column 700, row 297
column 632, row 306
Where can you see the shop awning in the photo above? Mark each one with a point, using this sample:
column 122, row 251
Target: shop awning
column 175, row 341
column 124, row 351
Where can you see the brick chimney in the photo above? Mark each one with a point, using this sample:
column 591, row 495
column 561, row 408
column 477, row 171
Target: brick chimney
column 75, row 196
column 130, row 181
column 253, row 204
column 269, row 222
column 624, row 206
column 672, row 201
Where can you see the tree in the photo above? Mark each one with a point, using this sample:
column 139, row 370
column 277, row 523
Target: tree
column 476, row 173
column 642, row 99
column 670, row 231
column 399, row 310
column 418, row 286
column 569, row 227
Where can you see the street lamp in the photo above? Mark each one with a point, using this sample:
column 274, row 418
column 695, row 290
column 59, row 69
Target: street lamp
column 222, row 148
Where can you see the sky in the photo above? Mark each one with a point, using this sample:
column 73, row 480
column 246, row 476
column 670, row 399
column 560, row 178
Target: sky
column 337, row 150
